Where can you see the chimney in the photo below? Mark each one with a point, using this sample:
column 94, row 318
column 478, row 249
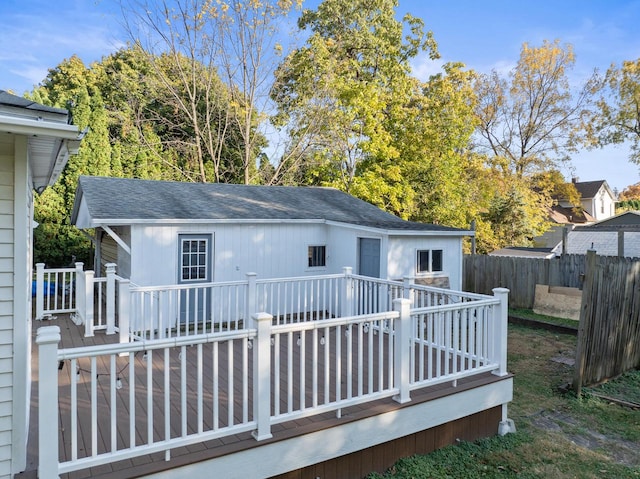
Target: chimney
column 575, row 179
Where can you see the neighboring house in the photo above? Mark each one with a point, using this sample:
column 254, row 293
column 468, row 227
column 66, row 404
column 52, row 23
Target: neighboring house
column 35, row 142
column 151, row 230
column 597, row 199
column 597, row 203
column 615, row 236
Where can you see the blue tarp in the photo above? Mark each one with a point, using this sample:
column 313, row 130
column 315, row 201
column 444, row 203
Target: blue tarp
column 48, row 288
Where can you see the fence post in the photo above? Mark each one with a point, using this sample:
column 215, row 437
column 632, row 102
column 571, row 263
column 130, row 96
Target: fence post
column 88, row 303
column 250, row 301
column 584, row 325
column 621, row 244
column 402, row 346
column 346, row 308
column 111, row 297
column 47, row 339
column 499, row 331
column 39, row 290
column 262, row 376
column 78, row 316
column 124, row 310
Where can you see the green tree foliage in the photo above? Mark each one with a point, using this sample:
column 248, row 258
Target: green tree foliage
column 513, row 216
column 132, row 130
column 369, row 127
column 619, row 118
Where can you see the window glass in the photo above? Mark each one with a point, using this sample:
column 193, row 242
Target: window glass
column 317, row 256
column 436, row 260
column 423, row 261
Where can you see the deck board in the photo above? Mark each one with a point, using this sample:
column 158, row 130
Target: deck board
column 72, row 336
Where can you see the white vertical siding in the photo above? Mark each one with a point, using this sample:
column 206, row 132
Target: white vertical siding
column 6, row 301
column 402, row 256
column 275, row 250
column 271, row 250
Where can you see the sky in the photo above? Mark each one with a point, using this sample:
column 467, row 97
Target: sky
column 486, row 35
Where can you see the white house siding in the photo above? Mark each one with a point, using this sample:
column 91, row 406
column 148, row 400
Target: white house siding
column 15, row 305
column 402, row 256
column 270, row 250
column 6, row 300
column 343, row 242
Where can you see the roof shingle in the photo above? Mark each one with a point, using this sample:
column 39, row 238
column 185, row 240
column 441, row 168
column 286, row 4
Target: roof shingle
column 132, row 200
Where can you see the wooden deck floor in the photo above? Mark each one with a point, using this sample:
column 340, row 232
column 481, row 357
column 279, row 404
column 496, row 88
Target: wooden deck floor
column 72, row 336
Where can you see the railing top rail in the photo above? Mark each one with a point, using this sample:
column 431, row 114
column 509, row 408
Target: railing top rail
column 185, row 286
column 371, row 279
column 489, row 301
column 466, row 294
column 153, row 344
column 299, row 278
column 328, row 323
column 60, row 270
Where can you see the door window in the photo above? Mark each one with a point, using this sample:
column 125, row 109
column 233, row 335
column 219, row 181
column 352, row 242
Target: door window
column 195, row 258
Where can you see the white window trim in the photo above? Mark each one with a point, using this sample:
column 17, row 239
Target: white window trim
column 208, row 237
column 430, row 271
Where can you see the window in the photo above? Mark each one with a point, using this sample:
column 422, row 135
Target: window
column 429, row 261
column 195, row 251
column 317, row 256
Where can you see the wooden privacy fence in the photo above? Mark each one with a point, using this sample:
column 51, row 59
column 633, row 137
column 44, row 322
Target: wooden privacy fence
column 609, row 328
column 482, row 273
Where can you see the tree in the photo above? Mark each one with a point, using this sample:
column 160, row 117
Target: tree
column 534, row 120
column 619, row 119
column 203, row 43
column 346, row 91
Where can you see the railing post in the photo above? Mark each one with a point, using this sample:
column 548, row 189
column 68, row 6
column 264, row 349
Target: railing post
column 250, row 300
column 346, row 308
column 499, row 331
column 111, row 297
column 407, row 290
column 88, row 303
column 39, row 290
column 79, row 316
column 402, row 347
column 124, row 310
column 47, row 339
column 262, row 376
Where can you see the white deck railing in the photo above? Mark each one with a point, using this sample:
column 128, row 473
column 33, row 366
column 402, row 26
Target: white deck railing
column 150, row 399
column 55, row 291
column 92, row 301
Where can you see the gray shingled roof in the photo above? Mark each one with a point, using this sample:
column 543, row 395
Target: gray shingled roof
column 588, row 189
column 8, row 99
column 125, row 200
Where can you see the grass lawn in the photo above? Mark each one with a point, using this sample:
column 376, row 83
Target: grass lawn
column 559, row 435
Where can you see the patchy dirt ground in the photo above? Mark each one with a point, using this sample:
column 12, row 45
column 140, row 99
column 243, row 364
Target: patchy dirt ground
column 543, row 365
column 619, row 450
